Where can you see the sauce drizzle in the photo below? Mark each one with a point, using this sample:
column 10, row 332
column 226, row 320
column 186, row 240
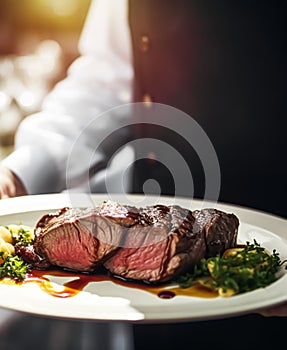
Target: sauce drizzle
column 80, row 281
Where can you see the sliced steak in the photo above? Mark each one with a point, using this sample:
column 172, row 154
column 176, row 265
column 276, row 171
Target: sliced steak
column 80, row 239
column 220, row 229
column 162, row 245
column 152, row 244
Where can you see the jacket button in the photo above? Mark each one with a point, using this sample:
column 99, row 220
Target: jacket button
column 144, row 43
column 147, row 100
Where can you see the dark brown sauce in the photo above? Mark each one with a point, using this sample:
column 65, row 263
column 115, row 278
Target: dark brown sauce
column 72, row 288
column 166, row 294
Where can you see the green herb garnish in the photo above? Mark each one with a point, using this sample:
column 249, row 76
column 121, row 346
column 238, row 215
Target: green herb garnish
column 13, row 267
column 237, row 271
column 22, row 236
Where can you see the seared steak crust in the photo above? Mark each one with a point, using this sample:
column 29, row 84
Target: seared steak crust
column 152, row 244
column 220, row 229
column 160, row 247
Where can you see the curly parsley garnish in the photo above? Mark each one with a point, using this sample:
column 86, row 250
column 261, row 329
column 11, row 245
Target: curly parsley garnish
column 13, row 267
column 237, row 271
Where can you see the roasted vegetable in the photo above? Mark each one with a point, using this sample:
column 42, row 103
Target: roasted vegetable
column 11, row 265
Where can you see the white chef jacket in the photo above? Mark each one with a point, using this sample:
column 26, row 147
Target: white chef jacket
column 100, row 79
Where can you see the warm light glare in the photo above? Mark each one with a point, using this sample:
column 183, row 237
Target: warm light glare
column 64, row 8
column 4, row 101
column 27, row 99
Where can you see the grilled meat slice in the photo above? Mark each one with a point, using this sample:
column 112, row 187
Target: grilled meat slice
column 80, row 239
column 162, row 245
column 220, row 229
column 152, row 244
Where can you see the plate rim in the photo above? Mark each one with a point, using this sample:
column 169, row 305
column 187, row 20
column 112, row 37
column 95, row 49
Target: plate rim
column 33, row 203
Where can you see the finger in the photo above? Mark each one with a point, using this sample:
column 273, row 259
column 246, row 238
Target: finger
column 3, row 195
column 275, row 311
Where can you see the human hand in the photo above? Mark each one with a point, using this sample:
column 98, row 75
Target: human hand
column 10, row 184
column 277, row 310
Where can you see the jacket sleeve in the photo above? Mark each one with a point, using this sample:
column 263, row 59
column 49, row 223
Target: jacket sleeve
column 64, row 140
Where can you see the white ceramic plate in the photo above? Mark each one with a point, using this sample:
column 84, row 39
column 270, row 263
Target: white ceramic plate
column 108, row 301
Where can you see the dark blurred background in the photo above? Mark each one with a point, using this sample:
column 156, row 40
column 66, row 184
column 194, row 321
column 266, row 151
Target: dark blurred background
column 38, row 41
